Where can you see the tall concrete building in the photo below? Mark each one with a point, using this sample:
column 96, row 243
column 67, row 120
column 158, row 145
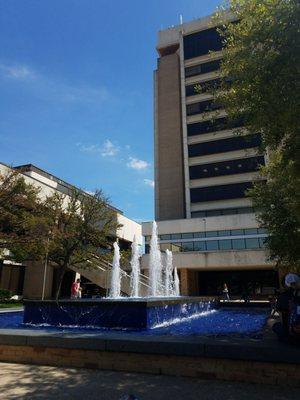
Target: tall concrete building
column 203, row 170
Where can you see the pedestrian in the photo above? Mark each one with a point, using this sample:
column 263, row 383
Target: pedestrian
column 76, row 290
column 225, row 292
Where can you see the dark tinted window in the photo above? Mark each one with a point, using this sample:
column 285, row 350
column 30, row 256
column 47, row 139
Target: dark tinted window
column 225, row 211
column 238, row 244
column 188, row 246
column 202, row 87
column 222, row 192
column 202, row 68
column 226, row 168
column 203, row 106
column 200, row 43
column 199, row 246
column 212, row 245
column 224, row 145
column 213, row 125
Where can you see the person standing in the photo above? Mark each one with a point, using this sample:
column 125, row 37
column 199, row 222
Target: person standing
column 76, row 290
column 225, row 292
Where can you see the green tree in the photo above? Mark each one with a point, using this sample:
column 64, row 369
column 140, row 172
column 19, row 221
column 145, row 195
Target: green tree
column 78, row 227
column 19, row 208
column 262, row 58
column 67, row 230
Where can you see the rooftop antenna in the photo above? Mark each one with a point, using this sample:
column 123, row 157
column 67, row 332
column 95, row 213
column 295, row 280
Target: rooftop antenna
column 180, row 19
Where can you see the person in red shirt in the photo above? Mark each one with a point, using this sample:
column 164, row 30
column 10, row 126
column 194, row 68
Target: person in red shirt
column 76, row 290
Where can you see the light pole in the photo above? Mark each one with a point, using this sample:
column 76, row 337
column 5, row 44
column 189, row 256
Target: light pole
column 45, row 267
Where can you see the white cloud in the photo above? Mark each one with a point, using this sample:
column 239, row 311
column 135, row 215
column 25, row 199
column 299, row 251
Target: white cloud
column 149, row 182
column 137, row 164
column 109, row 149
column 20, row 72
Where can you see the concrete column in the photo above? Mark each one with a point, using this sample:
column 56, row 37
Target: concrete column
column 33, row 282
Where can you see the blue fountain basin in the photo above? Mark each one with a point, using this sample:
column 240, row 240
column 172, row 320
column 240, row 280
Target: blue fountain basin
column 113, row 313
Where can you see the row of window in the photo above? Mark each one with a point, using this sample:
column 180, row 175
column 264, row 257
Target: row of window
column 212, row 245
column 213, row 125
column 223, row 211
column 224, row 145
column 200, row 43
column 231, row 167
column 220, row 192
column 203, row 106
column 210, row 234
column 202, row 87
column 202, row 68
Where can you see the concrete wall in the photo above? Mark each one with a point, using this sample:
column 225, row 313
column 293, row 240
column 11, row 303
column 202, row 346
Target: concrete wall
column 169, row 176
column 219, row 260
column 236, row 221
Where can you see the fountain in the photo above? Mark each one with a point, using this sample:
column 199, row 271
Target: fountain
column 176, row 283
column 163, row 305
column 169, row 284
column 115, row 282
column 135, row 269
column 155, row 265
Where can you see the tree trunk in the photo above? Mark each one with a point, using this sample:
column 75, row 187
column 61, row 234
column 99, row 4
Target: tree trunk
column 62, row 271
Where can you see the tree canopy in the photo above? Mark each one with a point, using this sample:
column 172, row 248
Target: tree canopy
column 67, row 230
column 262, row 58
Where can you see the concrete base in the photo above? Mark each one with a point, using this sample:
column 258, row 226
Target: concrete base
column 235, row 360
column 141, row 313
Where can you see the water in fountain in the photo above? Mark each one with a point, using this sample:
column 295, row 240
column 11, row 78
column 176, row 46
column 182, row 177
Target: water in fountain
column 169, row 285
column 155, row 264
column 176, row 283
column 115, row 282
column 135, row 269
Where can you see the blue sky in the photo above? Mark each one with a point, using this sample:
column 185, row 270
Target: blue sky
column 77, row 92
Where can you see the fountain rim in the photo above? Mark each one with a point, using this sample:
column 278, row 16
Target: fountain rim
column 145, row 301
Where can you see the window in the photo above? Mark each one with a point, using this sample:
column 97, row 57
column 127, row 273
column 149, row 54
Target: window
column 226, row 167
column 200, row 43
column 175, row 236
column 213, row 125
column 225, row 244
column 224, row 233
column 262, row 231
column 199, row 246
column 222, row 192
column 199, row 234
column 202, row 87
column 211, row 234
column 225, row 211
column 202, row 68
column 237, row 232
column 252, row 243
column 187, row 236
column 147, row 249
column 165, row 237
column 147, row 238
column 238, row 244
column 203, row 106
column 187, row 246
column 262, row 243
column 252, row 231
column 224, row 145
column 212, row 245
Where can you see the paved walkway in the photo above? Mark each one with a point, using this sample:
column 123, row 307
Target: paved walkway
column 27, row 382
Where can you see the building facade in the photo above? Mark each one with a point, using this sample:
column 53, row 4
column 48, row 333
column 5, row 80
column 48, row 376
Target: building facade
column 203, row 170
column 36, row 279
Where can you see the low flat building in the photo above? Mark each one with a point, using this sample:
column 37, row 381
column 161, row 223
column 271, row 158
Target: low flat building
column 27, row 279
